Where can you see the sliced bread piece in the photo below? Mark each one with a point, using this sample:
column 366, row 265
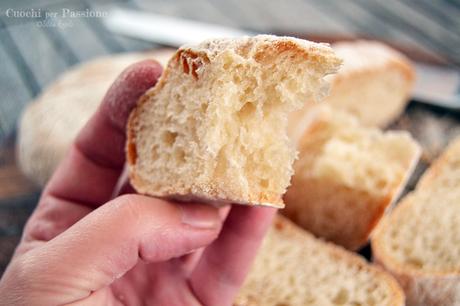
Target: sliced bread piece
column 374, row 83
column 419, row 242
column 346, row 176
column 214, row 126
column 293, row 268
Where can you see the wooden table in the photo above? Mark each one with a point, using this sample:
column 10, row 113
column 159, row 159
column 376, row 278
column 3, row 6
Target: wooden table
column 31, row 56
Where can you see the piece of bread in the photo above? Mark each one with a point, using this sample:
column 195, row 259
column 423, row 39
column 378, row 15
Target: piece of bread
column 346, row 176
column 293, row 268
column 49, row 124
column 214, row 126
column 374, row 83
column 419, row 242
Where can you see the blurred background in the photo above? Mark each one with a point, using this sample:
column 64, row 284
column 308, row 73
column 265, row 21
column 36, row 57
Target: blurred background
column 36, row 48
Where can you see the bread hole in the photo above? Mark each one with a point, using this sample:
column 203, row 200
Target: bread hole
column 415, row 262
column 178, row 107
column 169, row 138
column 155, row 154
column 292, row 85
column 237, row 79
column 264, row 183
column 341, row 297
column 381, row 184
column 204, row 107
column 179, row 156
column 247, row 111
column 227, row 64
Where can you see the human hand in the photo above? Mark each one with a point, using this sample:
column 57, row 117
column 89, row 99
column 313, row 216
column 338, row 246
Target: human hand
column 86, row 245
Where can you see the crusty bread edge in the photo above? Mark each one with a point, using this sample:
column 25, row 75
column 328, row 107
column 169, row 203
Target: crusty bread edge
column 388, row 201
column 437, row 166
column 396, row 62
column 309, row 124
column 338, row 252
column 421, row 287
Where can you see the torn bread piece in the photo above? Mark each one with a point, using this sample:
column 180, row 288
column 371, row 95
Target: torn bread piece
column 346, row 176
column 419, row 242
column 293, row 268
column 214, row 126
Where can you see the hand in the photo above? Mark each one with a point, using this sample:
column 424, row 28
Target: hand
column 84, row 245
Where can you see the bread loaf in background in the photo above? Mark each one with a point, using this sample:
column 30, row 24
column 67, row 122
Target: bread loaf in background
column 49, row 124
column 346, row 176
column 374, row 84
column 293, row 268
column 419, row 242
column 214, row 127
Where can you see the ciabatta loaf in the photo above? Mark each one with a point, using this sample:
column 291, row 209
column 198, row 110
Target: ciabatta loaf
column 346, row 176
column 374, row 83
column 293, row 268
column 419, row 243
column 214, row 126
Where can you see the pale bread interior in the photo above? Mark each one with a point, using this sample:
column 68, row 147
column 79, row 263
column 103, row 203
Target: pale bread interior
column 346, row 176
column 215, row 125
column 293, row 268
column 423, row 233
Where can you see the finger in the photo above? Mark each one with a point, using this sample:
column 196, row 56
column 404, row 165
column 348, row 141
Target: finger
column 108, row 242
column 90, row 171
column 189, row 261
column 224, row 265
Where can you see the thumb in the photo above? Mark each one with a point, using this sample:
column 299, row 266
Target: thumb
column 106, row 244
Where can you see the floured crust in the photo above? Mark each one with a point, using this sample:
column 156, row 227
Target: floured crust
column 192, row 60
column 283, row 229
column 364, row 63
column 364, row 56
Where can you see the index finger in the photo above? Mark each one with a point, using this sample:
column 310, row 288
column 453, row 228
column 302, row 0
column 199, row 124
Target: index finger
column 95, row 161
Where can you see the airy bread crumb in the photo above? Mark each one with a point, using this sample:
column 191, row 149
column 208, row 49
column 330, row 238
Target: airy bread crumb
column 214, row 127
column 346, row 176
column 293, row 268
column 419, row 242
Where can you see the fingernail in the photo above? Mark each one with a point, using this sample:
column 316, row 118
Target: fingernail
column 200, row 216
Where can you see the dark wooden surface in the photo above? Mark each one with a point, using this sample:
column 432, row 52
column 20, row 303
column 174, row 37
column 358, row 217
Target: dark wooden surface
column 32, row 56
